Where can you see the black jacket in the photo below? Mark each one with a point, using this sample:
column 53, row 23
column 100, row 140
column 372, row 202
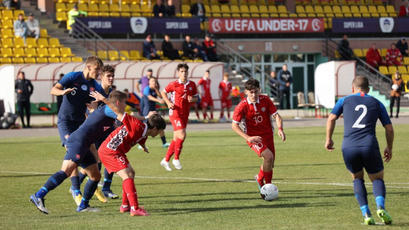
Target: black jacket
column 26, row 87
column 194, row 8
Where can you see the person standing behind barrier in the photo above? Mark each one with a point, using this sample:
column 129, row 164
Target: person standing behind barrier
column 285, row 80
column 24, row 89
column 73, row 14
column 274, row 84
column 396, row 92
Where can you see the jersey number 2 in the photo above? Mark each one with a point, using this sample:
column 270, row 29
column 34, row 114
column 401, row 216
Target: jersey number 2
column 363, row 114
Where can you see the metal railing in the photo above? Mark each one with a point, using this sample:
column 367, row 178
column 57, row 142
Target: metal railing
column 87, row 35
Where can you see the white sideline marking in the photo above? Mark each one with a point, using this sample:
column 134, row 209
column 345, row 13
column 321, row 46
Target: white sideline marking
column 390, row 185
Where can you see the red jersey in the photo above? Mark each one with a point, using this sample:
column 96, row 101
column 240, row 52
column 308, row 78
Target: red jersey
column 226, row 88
column 205, row 86
column 256, row 117
column 121, row 140
column 179, row 93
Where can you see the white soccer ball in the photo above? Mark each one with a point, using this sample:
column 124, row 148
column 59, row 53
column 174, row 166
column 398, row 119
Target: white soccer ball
column 269, row 192
column 395, row 87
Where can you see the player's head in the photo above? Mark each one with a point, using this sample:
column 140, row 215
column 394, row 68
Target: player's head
column 393, row 46
column 225, row 76
column 252, row 89
column 149, row 73
column 118, row 98
column 21, row 75
column 108, row 74
column 183, row 70
column 152, row 83
column 207, row 74
column 155, row 125
column 360, row 84
column 285, row 67
column 396, row 75
column 93, row 67
column 273, row 74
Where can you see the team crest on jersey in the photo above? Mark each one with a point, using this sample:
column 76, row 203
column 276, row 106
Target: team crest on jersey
column 263, row 109
column 84, row 87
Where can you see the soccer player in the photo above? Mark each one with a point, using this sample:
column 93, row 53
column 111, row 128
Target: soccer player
column 224, row 94
column 183, row 93
column 256, row 111
column 78, row 153
column 151, row 96
column 75, row 88
column 360, row 147
column 206, row 96
column 113, row 149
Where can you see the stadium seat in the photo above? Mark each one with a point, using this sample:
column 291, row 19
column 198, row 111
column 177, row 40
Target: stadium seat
column 29, row 60
column 5, row 60
column 61, row 7
column 76, row 59
column 309, row 9
column 7, row 33
column 61, row 16
column 124, row 53
column 102, row 54
column 65, row 59
column 54, row 52
column 18, row 60
column 135, row 55
column 19, row 52
column 31, row 43
column 358, row 53
column 363, row 9
column 7, row 15
column 336, row 10
column 405, row 77
column 392, row 69
column 299, row 9
column 402, row 69
column 6, row 52
column 54, row 42
column 282, row 9
column 19, row 42
column 42, row 52
column 7, row 43
column 83, row 7
column 113, row 55
column 17, row 12
column 7, row 24
column 66, row 52
column 383, row 70
column 31, row 52
column 42, row 60
column 318, row 9
column 263, row 11
column 383, row 52
column 54, row 60
column 255, row 11
column 42, row 42
column 43, row 33
column 406, row 60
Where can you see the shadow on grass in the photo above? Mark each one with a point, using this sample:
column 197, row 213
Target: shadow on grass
column 312, row 164
column 24, row 175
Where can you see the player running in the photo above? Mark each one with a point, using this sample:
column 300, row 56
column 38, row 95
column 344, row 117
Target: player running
column 78, row 154
column 75, row 87
column 255, row 112
column 224, row 94
column 119, row 142
column 205, row 94
column 360, row 147
column 182, row 94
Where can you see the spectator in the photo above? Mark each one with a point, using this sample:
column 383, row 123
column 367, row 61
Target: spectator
column 72, row 15
column 393, row 56
column 198, row 49
column 402, row 46
column 142, row 84
column 274, row 84
column 159, row 9
column 396, row 92
column 189, row 48
column 344, row 50
column 170, row 10
column 24, row 89
column 59, row 98
column 168, row 50
column 133, row 101
column 210, row 48
column 16, row 4
column 149, row 50
column 404, row 9
column 20, row 27
column 33, row 27
column 285, row 80
column 373, row 57
column 198, row 9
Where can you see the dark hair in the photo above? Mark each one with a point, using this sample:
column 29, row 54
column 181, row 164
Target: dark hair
column 361, row 82
column 117, row 95
column 94, row 60
column 21, row 72
column 182, row 65
column 108, row 68
column 252, row 84
column 207, row 71
column 156, row 121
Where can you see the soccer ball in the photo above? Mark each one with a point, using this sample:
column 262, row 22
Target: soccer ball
column 269, row 192
column 395, row 87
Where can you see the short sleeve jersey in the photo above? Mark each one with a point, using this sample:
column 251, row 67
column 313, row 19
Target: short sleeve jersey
column 96, row 126
column 226, row 88
column 255, row 116
column 179, row 93
column 73, row 106
column 205, row 87
column 121, row 140
column 361, row 113
column 146, row 102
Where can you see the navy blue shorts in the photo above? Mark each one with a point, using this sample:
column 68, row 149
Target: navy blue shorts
column 80, row 155
column 65, row 128
column 357, row 158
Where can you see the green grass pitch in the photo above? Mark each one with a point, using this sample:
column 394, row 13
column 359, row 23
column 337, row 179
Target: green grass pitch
column 215, row 189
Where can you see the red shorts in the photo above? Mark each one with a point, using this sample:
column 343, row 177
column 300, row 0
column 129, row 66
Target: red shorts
column 226, row 103
column 206, row 101
column 178, row 122
column 113, row 163
column 266, row 143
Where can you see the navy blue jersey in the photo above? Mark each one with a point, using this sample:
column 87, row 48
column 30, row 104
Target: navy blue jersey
column 97, row 125
column 361, row 113
column 148, row 105
column 73, row 106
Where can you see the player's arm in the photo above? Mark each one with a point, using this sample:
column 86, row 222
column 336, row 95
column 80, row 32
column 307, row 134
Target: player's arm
column 166, row 99
column 389, row 134
column 58, row 90
column 137, row 87
column 252, row 139
column 146, row 92
column 279, row 123
column 329, row 143
column 112, row 106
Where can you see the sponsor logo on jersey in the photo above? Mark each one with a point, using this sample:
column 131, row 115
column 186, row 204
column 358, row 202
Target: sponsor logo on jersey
column 84, row 87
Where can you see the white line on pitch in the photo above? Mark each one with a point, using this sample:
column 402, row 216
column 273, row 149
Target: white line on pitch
column 390, row 185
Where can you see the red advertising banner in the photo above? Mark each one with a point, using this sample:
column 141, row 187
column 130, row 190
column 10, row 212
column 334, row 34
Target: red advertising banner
column 265, row 25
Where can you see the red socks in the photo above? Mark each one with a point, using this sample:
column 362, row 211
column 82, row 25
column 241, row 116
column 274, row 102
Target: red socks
column 268, row 176
column 129, row 187
column 178, row 148
column 211, row 116
column 171, row 150
column 264, row 176
column 260, row 177
column 124, row 198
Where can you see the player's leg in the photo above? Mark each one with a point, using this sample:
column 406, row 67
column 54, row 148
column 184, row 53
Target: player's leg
column 179, row 137
column 53, row 181
column 165, row 144
column 204, row 108
column 392, row 103
column 397, row 107
column 129, row 189
column 98, row 193
column 27, row 107
column 20, row 108
column 106, row 188
column 90, row 166
column 223, row 104
column 177, row 125
column 211, row 109
column 268, row 163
